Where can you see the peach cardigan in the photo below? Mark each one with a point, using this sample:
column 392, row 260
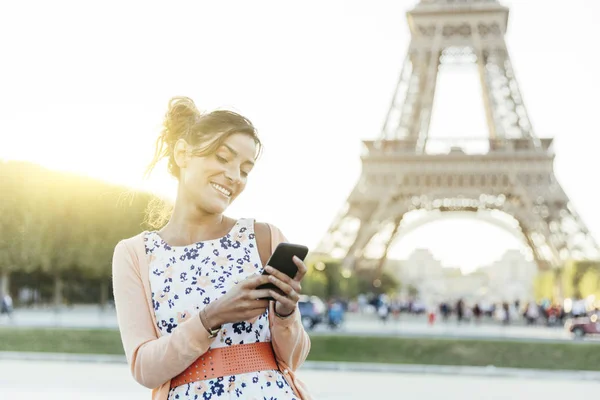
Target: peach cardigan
column 155, row 359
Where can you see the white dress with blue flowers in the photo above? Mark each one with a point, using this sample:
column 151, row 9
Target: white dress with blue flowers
column 184, row 279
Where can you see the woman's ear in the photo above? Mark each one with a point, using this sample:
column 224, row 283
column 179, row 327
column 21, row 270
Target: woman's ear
column 181, row 153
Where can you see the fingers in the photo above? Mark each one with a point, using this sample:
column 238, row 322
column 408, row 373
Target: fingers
column 255, row 281
column 255, row 308
column 260, row 294
column 278, row 274
column 251, row 314
column 260, row 304
column 301, row 269
column 284, row 300
column 288, row 289
column 278, row 278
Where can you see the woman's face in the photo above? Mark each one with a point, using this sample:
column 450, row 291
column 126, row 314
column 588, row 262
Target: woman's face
column 212, row 182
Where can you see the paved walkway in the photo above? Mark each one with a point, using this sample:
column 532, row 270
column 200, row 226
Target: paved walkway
column 488, row 371
column 20, row 380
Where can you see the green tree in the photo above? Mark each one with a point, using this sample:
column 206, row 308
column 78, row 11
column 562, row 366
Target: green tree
column 580, row 270
column 19, row 241
column 55, row 224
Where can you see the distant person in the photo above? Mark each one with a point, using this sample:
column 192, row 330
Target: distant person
column 335, row 313
column 383, row 311
column 477, row 312
column 505, row 313
column 431, row 315
column 395, row 308
column 6, row 305
column 362, row 303
column 460, row 310
column 532, row 313
column 193, row 322
column 445, row 311
column 579, row 308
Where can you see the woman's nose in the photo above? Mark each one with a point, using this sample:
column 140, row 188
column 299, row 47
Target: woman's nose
column 232, row 175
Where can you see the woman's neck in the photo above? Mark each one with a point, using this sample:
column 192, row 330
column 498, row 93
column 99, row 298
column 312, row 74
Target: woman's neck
column 189, row 225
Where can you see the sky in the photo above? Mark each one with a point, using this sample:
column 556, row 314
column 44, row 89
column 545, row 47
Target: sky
column 84, row 87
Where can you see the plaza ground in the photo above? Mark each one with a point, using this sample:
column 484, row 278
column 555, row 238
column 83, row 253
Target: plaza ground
column 20, row 380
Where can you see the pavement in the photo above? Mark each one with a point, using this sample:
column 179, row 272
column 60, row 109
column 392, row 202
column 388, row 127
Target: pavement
column 355, row 324
column 336, row 366
column 54, row 380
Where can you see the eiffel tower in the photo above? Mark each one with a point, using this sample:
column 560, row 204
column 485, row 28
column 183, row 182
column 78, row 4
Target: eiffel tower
column 407, row 175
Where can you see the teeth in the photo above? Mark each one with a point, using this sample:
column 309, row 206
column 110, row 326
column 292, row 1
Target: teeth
column 221, row 189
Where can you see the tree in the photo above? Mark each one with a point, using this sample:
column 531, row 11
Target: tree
column 19, row 242
column 326, row 279
column 581, row 269
column 57, row 223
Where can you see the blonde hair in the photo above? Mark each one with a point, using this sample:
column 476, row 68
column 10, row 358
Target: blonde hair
column 205, row 132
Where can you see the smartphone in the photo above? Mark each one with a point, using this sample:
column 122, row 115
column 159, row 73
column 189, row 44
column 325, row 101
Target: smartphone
column 282, row 260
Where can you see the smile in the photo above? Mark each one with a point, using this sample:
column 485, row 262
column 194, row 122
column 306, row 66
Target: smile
column 221, row 189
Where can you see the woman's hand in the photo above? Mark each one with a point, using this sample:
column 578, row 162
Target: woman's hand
column 286, row 304
column 241, row 303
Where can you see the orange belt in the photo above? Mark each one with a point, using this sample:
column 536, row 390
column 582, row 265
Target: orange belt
column 232, row 360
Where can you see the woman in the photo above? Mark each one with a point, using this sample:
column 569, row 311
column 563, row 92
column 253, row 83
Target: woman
column 191, row 318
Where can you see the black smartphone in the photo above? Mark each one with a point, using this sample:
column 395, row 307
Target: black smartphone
column 282, row 260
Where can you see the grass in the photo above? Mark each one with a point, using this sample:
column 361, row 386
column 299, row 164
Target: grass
column 86, row 341
column 512, row 354
column 539, row 355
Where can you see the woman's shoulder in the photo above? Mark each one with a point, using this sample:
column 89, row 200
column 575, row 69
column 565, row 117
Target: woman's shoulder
column 131, row 246
column 134, row 240
column 266, row 230
column 267, row 237
column 262, row 229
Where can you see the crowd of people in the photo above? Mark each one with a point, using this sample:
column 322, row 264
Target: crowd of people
column 544, row 312
column 505, row 312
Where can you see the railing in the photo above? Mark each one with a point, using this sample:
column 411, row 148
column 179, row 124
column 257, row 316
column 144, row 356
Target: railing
column 469, row 146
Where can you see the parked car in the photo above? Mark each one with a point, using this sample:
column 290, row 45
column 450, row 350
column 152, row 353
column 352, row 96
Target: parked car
column 312, row 311
column 582, row 326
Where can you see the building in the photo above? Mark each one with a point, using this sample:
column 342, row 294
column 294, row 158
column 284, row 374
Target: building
column 508, row 279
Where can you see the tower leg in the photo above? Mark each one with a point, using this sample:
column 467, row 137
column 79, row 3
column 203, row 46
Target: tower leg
column 383, row 258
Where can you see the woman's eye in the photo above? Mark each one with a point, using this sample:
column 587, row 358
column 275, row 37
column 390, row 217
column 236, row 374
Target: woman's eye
column 221, row 159
column 244, row 174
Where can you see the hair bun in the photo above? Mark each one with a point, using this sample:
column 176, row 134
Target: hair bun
column 181, row 115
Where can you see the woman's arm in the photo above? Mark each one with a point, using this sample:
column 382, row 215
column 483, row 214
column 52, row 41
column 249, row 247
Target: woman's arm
column 290, row 341
column 152, row 360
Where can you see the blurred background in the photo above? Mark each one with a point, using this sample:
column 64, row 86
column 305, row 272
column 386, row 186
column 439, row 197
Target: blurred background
column 436, row 156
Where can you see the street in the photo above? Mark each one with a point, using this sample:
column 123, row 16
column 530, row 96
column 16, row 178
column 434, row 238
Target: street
column 21, row 380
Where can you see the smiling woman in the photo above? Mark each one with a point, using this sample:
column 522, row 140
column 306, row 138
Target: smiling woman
column 222, row 137
column 192, row 320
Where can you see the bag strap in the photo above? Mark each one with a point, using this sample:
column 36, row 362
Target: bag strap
column 272, row 239
column 265, row 247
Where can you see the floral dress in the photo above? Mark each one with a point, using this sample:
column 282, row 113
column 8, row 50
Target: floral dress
column 184, row 279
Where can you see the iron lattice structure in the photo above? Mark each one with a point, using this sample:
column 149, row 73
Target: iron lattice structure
column 509, row 173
